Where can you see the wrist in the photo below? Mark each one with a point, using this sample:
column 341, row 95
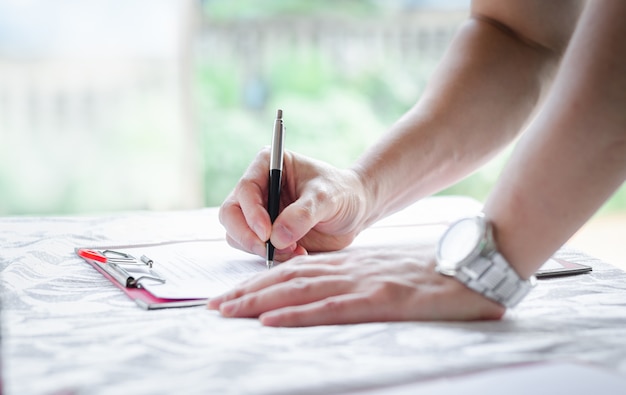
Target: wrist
column 368, row 194
column 468, row 253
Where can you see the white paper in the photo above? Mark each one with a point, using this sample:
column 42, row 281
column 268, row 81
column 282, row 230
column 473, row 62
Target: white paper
column 197, row 270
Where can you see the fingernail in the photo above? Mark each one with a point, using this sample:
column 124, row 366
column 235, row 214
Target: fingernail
column 214, row 304
column 259, row 231
column 228, row 309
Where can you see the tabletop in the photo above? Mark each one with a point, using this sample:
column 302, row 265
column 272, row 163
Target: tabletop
column 67, row 330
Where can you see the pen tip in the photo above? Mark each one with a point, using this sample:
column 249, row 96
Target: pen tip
column 269, row 264
column 279, row 114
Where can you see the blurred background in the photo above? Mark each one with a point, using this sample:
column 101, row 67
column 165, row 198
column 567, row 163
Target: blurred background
column 161, row 104
column 110, row 105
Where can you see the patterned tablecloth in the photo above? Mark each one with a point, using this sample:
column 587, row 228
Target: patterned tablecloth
column 66, row 329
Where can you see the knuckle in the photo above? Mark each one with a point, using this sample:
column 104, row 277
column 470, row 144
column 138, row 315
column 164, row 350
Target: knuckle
column 247, row 303
column 323, row 195
column 264, row 153
column 333, row 306
column 389, row 289
column 227, row 211
column 304, row 212
column 302, row 285
column 287, row 274
column 244, row 186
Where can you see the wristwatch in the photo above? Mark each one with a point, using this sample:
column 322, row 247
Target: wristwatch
column 467, row 252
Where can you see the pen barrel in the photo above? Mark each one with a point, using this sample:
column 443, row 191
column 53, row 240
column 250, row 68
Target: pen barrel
column 273, row 203
column 276, row 154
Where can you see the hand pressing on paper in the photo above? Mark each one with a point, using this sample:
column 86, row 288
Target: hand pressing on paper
column 353, row 286
column 322, row 208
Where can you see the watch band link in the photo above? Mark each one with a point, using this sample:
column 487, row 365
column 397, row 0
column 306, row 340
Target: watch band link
column 493, row 277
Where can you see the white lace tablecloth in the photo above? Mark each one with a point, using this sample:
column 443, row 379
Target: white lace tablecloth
column 67, row 330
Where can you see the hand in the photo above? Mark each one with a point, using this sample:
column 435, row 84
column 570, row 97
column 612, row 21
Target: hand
column 355, row 285
column 322, row 208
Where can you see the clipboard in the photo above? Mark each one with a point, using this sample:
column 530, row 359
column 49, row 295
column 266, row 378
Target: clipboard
column 189, row 273
column 172, row 274
column 130, row 283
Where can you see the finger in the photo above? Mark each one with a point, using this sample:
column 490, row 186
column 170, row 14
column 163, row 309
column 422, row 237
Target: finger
column 339, row 309
column 261, row 250
column 277, row 275
column 286, row 254
column 238, row 233
column 249, row 198
column 298, row 218
column 254, row 207
column 245, row 214
column 432, row 302
column 386, row 299
column 295, row 292
column 254, row 247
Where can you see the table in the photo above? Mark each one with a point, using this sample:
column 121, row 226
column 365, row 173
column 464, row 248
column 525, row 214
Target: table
column 66, row 329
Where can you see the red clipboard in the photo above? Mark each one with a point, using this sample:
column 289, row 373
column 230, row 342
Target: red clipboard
column 132, row 289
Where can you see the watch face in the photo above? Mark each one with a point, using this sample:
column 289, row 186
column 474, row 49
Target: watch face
column 459, row 242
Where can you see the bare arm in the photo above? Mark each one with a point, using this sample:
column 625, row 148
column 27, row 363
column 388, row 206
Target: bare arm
column 573, row 156
column 487, row 85
column 495, row 72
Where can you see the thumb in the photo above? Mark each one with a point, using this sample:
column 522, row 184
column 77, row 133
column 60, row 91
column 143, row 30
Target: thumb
column 297, row 219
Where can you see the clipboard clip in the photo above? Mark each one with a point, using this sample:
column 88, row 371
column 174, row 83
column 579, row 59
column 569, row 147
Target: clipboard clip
column 125, row 268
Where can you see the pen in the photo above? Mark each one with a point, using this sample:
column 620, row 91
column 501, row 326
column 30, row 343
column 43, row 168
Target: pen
column 276, row 170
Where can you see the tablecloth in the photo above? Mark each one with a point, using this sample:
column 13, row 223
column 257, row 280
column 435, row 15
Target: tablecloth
column 68, row 330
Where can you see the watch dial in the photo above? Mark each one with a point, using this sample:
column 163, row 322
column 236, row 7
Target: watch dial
column 459, row 242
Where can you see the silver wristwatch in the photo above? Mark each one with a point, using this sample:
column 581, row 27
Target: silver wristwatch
column 467, row 252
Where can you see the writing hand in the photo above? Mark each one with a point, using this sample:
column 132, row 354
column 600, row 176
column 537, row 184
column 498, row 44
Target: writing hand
column 323, row 208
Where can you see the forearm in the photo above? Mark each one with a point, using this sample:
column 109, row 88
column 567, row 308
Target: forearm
column 481, row 95
column 573, row 156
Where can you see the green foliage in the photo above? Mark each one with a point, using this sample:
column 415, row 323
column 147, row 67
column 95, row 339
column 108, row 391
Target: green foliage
column 248, row 9
column 217, row 84
column 305, row 73
column 329, row 115
column 617, row 203
column 332, row 113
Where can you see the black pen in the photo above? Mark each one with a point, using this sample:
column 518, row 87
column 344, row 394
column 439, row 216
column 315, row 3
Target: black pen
column 276, row 170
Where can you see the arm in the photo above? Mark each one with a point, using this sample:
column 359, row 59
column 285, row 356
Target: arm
column 573, row 156
column 487, row 85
